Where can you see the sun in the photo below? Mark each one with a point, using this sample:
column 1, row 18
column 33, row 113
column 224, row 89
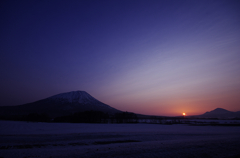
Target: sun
column 184, row 114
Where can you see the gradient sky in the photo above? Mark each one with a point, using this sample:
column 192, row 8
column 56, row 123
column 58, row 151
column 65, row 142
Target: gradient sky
column 150, row 57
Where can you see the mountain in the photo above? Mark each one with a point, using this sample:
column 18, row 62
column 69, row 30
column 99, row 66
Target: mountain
column 220, row 113
column 60, row 105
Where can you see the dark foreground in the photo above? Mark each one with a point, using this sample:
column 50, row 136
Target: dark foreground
column 19, row 139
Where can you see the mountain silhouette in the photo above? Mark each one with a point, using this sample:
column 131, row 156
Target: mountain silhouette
column 220, row 113
column 60, row 105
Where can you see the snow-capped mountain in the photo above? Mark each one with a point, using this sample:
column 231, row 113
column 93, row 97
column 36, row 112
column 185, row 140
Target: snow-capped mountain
column 60, row 105
column 81, row 97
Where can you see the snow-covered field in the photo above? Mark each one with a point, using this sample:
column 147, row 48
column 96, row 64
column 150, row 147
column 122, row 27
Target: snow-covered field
column 23, row 139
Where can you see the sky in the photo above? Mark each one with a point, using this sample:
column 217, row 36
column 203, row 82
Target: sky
column 144, row 56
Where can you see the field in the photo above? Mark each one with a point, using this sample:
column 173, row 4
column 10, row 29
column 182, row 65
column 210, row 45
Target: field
column 23, row 139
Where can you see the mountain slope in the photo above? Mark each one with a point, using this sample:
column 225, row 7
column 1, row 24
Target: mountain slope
column 220, row 113
column 60, row 105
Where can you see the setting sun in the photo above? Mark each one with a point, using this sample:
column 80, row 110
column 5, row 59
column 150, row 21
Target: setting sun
column 184, row 114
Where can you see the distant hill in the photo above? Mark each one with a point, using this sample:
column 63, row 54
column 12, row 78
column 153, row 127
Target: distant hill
column 220, row 113
column 59, row 105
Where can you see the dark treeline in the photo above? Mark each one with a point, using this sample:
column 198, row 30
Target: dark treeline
column 122, row 117
column 98, row 117
column 32, row 117
column 84, row 117
column 35, row 117
column 95, row 117
column 78, row 117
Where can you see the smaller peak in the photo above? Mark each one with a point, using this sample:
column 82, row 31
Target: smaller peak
column 220, row 109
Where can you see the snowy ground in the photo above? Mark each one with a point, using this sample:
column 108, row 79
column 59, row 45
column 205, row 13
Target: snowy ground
column 22, row 139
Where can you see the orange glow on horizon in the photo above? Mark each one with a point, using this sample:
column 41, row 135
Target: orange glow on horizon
column 184, row 114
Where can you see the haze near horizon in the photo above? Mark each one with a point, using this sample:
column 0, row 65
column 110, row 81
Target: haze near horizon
column 148, row 57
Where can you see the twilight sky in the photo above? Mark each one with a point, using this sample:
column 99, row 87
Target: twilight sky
column 150, row 57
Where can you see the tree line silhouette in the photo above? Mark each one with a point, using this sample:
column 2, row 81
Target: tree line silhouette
column 78, row 117
column 101, row 117
column 98, row 117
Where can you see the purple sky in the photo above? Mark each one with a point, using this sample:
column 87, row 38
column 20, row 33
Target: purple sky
column 149, row 57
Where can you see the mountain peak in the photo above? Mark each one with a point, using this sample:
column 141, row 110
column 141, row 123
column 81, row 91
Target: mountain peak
column 219, row 113
column 220, row 110
column 74, row 96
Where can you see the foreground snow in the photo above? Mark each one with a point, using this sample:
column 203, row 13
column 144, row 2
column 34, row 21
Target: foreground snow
column 22, row 139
